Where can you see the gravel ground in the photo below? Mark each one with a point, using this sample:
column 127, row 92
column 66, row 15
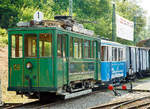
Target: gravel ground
column 95, row 99
column 86, row 101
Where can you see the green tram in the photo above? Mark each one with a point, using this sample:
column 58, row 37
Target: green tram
column 51, row 60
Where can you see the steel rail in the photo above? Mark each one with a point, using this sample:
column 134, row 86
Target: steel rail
column 117, row 105
column 128, row 102
column 21, row 105
column 139, row 106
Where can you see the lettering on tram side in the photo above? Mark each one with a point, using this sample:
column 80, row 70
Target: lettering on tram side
column 16, row 66
column 117, row 69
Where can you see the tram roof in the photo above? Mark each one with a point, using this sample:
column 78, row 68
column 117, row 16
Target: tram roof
column 106, row 42
column 49, row 28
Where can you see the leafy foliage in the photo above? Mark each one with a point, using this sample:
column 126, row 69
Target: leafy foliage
column 3, row 37
column 97, row 12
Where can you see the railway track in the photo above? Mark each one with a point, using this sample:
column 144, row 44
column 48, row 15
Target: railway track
column 140, row 103
column 38, row 105
column 18, row 105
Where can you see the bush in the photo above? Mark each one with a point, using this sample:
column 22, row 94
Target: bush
column 3, row 37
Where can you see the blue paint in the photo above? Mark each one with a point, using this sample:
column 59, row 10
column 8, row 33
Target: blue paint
column 112, row 70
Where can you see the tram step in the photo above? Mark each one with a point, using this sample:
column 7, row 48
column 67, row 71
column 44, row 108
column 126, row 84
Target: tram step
column 75, row 94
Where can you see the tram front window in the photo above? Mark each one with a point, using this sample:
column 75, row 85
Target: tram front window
column 45, row 45
column 16, row 46
column 30, row 43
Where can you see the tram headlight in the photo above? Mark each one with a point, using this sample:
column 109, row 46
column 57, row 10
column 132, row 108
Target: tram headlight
column 29, row 65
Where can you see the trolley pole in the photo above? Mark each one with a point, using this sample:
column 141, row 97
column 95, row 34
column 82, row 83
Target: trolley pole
column 70, row 7
column 114, row 23
column 134, row 30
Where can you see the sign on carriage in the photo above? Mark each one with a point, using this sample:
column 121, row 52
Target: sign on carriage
column 38, row 16
column 125, row 28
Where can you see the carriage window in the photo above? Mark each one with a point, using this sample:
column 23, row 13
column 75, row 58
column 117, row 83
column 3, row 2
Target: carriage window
column 104, row 53
column 71, row 47
column 109, row 54
column 30, row 42
column 93, row 55
column 120, row 54
column 77, row 48
column 45, row 45
column 87, row 49
column 114, row 54
column 16, row 46
column 99, row 50
column 61, row 46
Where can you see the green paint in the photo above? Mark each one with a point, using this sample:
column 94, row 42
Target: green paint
column 16, row 72
column 48, row 72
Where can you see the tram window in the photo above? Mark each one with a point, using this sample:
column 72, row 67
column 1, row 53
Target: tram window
column 109, row 54
column 104, row 53
column 16, row 46
column 61, row 46
column 77, row 48
column 45, row 45
column 87, row 49
column 114, row 54
column 94, row 49
column 119, row 54
column 99, row 50
column 93, row 54
column 30, row 42
column 71, row 47
column 80, row 48
column 124, row 54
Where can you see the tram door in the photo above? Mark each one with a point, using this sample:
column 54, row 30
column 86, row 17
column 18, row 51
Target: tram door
column 15, row 61
column 30, row 71
column 61, row 61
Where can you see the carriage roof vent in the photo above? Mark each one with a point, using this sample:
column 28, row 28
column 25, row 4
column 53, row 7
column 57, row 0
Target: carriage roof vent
column 63, row 17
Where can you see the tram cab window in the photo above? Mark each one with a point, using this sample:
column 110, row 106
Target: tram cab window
column 45, row 45
column 61, row 45
column 30, row 43
column 16, row 46
column 104, row 53
column 77, row 48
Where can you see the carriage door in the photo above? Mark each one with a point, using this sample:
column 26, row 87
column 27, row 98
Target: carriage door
column 30, row 61
column 15, row 61
column 61, row 61
column 45, row 60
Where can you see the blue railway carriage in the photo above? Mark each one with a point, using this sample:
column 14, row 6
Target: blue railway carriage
column 132, row 59
column 137, row 60
column 144, row 60
column 113, row 62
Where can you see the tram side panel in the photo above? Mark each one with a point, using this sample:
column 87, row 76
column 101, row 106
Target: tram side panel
column 147, row 56
column 137, row 60
column 113, row 64
column 133, row 59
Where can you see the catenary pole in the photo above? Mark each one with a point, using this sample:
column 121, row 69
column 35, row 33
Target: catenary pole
column 114, row 23
column 134, row 30
column 70, row 7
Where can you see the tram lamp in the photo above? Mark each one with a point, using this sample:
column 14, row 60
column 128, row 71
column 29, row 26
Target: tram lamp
column 110, row 87
column 29, row 65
